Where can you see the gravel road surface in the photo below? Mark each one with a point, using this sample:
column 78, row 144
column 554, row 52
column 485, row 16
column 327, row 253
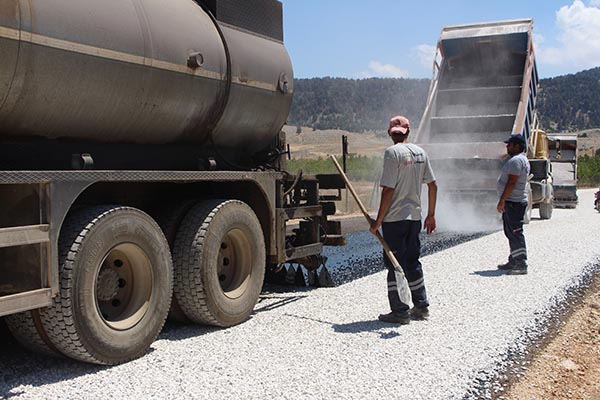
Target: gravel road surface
column 327, row 343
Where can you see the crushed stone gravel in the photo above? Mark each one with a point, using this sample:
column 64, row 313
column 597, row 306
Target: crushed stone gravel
column 327, row 343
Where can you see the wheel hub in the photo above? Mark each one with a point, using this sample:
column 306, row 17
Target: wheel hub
column 235, row 263
column 107, row 284
column 124, row 286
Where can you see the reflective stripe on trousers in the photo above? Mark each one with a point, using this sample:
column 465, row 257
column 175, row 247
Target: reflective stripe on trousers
column 403, row 239
column 512, row 220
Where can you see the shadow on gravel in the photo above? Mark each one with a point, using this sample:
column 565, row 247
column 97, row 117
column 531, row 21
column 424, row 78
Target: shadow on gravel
column 490, row 273
column 174, row 331
column 275, row 302
column 21, row 368
column 374, row 326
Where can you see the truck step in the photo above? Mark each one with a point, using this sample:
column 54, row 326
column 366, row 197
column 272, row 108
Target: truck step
column 25, row 301
column 335, row 240
column 24, row 235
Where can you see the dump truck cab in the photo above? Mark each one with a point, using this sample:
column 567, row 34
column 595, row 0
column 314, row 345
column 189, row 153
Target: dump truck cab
column 563, row 156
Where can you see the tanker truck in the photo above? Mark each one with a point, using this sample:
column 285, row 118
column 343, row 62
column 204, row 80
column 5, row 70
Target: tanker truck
column 142, row 170
column 483, row 90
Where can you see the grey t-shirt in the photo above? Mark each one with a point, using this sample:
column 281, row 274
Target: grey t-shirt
column 516, row 165
column 405, row 169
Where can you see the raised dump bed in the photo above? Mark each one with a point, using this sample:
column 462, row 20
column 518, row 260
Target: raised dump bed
column 483, row 90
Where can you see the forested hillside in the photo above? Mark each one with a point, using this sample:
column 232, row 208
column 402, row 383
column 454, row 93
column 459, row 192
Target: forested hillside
column 570, row 102
column 356, row 105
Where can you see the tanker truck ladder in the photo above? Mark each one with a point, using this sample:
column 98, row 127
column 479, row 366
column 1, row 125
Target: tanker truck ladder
column 25, row 286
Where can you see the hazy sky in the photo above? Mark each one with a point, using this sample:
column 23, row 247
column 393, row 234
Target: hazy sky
column 397, row 38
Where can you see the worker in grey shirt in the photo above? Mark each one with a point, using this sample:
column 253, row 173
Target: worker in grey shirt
column 512, row 190
column 405, row 169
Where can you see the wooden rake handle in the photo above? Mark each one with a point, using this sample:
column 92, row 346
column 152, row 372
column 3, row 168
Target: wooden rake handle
column 386, row 248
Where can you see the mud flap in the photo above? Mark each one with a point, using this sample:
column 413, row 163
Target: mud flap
column 299, row 277
column 324, row 278
column 290, row 276
column 312, row 278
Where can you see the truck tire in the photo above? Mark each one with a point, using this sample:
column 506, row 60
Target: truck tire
column 115, row 286
column 546, row 210
column 169, row 220
column 26, row 328
column 219, row 262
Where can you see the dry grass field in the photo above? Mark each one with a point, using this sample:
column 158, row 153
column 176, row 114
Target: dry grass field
column 311, row 144
column 588, row 142
column 315, row 144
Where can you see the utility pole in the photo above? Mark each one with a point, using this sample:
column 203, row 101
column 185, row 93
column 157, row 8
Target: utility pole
column 344, row 156
column 344, row 150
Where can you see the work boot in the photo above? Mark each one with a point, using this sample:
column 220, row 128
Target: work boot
column 419, row 313
column 395, row 318
column 507, row 266
column 518, row 269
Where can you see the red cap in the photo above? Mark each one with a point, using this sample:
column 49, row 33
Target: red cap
column 399, row 125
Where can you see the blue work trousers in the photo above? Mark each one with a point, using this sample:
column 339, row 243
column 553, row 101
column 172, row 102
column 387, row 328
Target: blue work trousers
column 403, row 239
column 512, row 219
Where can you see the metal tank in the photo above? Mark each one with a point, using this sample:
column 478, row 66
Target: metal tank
column 140, row 72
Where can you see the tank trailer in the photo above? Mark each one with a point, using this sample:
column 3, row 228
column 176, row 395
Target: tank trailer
column 142, row 170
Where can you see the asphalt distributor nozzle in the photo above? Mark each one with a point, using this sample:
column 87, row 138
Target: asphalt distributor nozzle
column 293, row 274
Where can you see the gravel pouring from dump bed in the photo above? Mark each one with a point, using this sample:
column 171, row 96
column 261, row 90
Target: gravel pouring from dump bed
column 327, row 343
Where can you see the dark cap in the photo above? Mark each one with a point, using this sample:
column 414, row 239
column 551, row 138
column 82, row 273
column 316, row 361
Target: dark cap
column 518, row 139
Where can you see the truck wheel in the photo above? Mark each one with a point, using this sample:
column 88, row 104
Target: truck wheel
column 169, row 220
column 546, row 210
column 219, row 262
column 115, row 286
column 26, row 328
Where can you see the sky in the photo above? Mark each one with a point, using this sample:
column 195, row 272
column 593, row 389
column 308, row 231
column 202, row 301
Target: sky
column 398, row 38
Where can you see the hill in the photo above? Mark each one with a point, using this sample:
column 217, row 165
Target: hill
column 570, row 102
column 565, row 103
column 356, row 105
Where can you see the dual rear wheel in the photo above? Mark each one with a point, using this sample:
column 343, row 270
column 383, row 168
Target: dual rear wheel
column 116, row 279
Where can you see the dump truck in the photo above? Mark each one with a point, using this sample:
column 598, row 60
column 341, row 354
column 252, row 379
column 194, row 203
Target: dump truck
column 483, row 89
column 142, row 170
column 563, row 158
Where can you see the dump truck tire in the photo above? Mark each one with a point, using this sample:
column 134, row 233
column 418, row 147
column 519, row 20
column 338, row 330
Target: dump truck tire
column 27, row 330
column 115, row 286
column 546, row 210
column 219, row 262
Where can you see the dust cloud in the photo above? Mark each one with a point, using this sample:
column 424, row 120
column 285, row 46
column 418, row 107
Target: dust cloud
column 471, row 113
column 472, row 213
